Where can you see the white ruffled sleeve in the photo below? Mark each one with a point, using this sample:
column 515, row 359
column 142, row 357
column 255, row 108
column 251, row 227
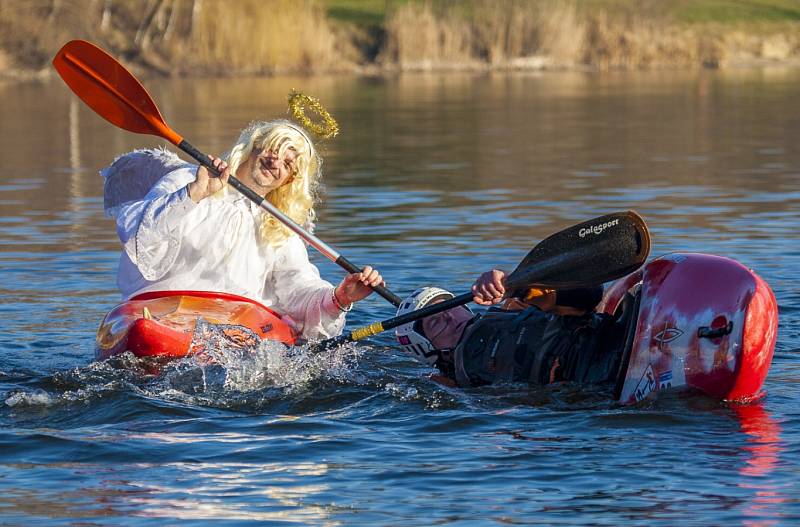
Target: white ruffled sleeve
column 151, row 229
column 301, row 293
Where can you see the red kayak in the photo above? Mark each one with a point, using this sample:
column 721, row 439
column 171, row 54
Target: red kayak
column 694, row 320
column 162, row 323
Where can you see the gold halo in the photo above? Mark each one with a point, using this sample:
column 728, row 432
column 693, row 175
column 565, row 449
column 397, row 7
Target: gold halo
column 299, row 102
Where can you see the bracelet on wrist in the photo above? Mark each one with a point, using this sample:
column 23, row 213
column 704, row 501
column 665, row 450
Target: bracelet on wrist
column 339, row 304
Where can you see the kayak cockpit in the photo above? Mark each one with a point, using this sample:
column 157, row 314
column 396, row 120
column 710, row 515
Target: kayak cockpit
column 162, row 323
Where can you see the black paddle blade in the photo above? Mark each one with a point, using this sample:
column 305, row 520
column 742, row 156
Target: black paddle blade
column 586, row 254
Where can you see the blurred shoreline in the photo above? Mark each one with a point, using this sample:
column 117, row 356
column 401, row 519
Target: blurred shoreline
column 183, row 38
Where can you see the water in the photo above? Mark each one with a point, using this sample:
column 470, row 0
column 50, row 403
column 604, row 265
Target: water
column 434, row 179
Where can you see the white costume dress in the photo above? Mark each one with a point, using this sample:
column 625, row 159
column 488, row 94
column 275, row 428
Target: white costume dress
column 172, row 243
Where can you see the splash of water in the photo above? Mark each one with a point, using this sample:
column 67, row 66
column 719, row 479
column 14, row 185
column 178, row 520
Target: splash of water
column 37, row 397
column 234, row 359
column 80, row 384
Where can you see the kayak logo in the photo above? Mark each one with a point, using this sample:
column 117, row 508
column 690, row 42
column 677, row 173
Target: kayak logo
column 646, row 384
column 597, row 229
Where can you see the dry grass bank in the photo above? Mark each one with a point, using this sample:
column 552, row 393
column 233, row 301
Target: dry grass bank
column 178, row 37
column 265, row 37
column 432, row 35
column 568, row 34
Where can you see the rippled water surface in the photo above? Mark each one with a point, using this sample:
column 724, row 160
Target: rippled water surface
column 433, row 179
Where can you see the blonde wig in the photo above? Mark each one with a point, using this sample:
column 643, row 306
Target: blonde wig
column 297, row 196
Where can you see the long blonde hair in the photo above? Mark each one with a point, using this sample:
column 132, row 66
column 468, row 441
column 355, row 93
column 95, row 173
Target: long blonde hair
column 295, row 198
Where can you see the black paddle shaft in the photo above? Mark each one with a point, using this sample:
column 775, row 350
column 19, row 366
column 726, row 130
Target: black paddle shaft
column 328, row 251
column 378, row 327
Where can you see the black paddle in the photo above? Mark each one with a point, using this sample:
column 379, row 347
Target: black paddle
column 584, row 255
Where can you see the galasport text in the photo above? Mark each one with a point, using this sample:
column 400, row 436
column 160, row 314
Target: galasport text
column 597, row 229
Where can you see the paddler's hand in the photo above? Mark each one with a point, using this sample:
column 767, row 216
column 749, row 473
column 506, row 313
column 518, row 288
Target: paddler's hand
column 357, row 286
column 489, row 288
column 204, row 184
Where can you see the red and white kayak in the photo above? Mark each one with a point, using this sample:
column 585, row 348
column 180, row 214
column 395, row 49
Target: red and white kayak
column 694, row 320
column 162, row 323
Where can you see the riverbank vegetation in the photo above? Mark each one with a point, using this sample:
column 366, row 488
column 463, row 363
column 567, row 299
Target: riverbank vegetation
column 268, row 37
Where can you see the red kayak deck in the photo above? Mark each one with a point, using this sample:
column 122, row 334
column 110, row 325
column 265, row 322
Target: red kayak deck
column 701, row 321
column 162, row 323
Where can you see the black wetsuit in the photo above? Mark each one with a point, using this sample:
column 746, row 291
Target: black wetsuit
column 537, row 347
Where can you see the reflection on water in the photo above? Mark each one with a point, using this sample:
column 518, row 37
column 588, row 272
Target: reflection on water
column 494, row 160
column 181, row 491
column 765, row 448
column 275, row 484
column 433, row 179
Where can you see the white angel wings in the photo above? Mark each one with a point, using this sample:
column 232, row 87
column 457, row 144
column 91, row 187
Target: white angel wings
column 131, row 176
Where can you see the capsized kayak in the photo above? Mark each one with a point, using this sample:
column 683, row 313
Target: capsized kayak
column 694, row 320
column 162, row 323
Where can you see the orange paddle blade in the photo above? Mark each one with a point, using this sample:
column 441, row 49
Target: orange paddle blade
column 110, row 90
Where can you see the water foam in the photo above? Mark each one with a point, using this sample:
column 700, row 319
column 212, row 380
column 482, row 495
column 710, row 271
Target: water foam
column 36, row 397
column 234, row 359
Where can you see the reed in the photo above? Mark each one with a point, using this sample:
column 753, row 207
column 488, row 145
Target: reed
column 255, row 37
column 488, row 32
column 636, row 41
column 30, row 31
column 178, row 36
column 417, row 37
column 610, row 34
column 263, row 37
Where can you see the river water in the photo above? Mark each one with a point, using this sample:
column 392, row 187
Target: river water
column 433, row 179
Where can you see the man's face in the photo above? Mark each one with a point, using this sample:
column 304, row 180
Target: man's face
column 264, row 170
